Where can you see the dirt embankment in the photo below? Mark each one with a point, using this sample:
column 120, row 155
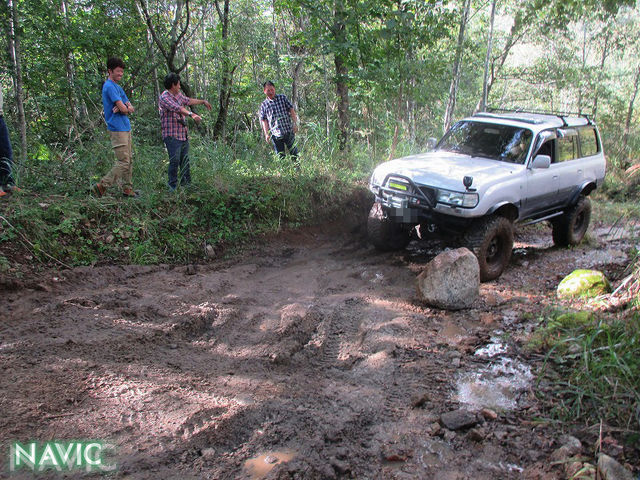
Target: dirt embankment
column 310, row 358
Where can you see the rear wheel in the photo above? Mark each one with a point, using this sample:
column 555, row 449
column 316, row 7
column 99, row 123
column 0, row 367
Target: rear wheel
column 491, row 241
column 570, row 228
column 383, row 232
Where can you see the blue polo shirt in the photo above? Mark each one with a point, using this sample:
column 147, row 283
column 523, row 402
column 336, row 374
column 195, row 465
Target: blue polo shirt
column 112, row 92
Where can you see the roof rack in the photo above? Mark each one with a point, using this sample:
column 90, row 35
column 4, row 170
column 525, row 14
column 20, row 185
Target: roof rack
column 560, row 115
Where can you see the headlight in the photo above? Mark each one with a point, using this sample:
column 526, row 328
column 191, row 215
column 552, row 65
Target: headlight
column 458, row 199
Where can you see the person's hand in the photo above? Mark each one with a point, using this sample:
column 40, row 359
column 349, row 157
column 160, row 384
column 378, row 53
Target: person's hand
column 266, row 137
column 130, row 108
column 207, row 104
column 196, row 118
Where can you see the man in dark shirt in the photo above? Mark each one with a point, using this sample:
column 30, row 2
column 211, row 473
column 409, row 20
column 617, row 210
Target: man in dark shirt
column 279, row 120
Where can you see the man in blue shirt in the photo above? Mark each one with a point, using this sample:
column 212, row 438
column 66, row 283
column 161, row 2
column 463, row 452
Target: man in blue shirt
column 278, row 117
column 117, row 109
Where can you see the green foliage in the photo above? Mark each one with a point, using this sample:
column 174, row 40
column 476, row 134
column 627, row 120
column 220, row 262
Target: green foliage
column 234, row 199
column 592, row 368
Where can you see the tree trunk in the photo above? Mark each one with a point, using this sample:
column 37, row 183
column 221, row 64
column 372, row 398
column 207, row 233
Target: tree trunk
column 485, row 82
column 69, row 68
column 16, row 58
column 453, row 89
column 396, row 131
column 227, row 73
column 627, row 126
column 342, row 89
column 295, row 95
column 605, row 53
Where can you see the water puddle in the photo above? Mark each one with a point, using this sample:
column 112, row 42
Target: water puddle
column 497, row 385
column 451, row 333
column 260, row 466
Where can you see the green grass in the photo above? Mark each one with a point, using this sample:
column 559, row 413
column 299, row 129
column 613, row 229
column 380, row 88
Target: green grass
column 239, row 192
column 592, row 368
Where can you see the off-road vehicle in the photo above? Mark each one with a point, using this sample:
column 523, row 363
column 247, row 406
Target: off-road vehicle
column 490, row 171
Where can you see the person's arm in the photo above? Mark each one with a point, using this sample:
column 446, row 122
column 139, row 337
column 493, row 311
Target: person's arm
column 170, row 104
column 294, row 120
column 122, row 108
column 197, row 101
column 265, row 128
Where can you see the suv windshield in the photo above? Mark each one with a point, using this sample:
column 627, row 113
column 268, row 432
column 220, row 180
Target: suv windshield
column 498, row 142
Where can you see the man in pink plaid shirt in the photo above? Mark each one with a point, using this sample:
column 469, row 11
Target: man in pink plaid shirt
column 173, row 115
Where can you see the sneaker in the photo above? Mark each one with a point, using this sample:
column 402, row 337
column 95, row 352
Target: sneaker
column 98, row 190
column 130, row 193
column 3, row 193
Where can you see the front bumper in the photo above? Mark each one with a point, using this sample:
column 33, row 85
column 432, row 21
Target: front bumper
column 408, row 203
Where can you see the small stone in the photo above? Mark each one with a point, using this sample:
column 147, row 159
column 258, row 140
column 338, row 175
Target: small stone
column 449, row 435
column 339, row 466
column 271, row 459
column 173, row 346
column 500, row 435
column 455, row 363
column 208, row 453
column 209, row 251
column 419, row 401
column 458, row 419
column 612, row 470
column 477, row 434
column 488, row 414
column 109, row 238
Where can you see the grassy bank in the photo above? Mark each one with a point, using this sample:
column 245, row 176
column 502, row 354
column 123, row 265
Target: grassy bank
column 237, row 195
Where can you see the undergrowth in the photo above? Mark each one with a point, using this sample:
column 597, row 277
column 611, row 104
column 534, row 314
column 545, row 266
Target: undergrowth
column 237, row 194
column 591, row 371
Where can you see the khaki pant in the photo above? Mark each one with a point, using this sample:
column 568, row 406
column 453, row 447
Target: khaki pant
column 122, row 170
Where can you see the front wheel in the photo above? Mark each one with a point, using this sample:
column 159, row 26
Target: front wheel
column 570, row 228
column 491, row 241
column 383, row 232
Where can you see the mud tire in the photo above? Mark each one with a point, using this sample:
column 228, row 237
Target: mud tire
column 570, row 228
column 383, row 232
column 491, row 241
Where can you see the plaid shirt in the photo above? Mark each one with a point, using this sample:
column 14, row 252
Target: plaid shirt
column 277, row 113
column 173, row 122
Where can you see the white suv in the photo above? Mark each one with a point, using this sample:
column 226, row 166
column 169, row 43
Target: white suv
column 488, row 172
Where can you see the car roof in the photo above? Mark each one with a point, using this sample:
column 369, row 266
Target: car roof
column 534, row 121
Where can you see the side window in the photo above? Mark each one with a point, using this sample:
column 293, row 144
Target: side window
column 567, row 148
column 588, row 141
column 548, row 148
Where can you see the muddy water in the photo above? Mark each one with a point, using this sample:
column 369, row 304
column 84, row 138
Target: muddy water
column 258, row 467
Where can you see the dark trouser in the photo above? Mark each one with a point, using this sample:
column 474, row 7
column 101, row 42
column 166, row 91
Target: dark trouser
column 178, row 158
column 287, row 139
column 6, row 156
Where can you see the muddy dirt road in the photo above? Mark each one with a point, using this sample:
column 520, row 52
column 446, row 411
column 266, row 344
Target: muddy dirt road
column 309, row 358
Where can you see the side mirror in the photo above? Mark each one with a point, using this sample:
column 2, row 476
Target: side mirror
column 541, row 161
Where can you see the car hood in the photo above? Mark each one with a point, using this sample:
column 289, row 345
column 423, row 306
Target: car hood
column 445, row 169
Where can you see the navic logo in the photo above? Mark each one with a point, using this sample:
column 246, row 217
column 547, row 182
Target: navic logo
column 61, row 456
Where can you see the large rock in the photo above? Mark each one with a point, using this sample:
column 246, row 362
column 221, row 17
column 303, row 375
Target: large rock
column 451, row 280
column 584, row 283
